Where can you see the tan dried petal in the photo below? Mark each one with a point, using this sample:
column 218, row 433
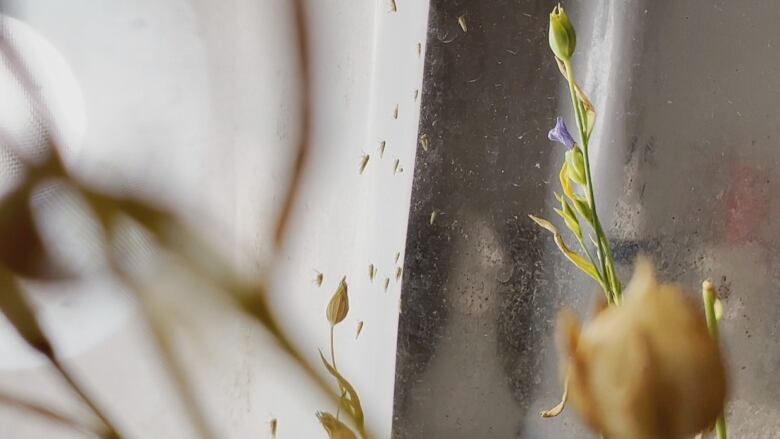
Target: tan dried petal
column 338, row 307
column 645, row 369
column 335, row 428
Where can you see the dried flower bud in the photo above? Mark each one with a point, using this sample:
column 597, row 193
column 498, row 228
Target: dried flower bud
column 645, row 369
column 338, row 307
column 335, row 428
column 562, row 37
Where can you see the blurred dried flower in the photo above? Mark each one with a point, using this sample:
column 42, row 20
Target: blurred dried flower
column 646, row 369
column 338, row 307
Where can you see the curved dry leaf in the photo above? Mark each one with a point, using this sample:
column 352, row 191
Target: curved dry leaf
column 570, row 254
column 350, row 400
column 558, row 409
column 335, row 428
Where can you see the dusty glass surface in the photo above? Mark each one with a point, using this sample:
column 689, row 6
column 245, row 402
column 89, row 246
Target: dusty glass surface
column 685, row 158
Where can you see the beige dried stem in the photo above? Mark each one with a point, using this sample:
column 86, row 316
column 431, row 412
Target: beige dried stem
column 50, row 415
column 304, row 137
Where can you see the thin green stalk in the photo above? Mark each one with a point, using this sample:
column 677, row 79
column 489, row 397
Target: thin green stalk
column 592, row 261
column 612, row 295
column 710, row 296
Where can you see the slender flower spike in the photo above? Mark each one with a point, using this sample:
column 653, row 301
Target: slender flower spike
column 562, row 37
column 559, row 133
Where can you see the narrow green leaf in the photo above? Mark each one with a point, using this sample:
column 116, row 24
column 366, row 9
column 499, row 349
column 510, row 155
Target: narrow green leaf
column 569, row 217
column 570, row 254
column 582, row 207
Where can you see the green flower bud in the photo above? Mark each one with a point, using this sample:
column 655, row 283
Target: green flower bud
column 576, row 165
column 562, row 36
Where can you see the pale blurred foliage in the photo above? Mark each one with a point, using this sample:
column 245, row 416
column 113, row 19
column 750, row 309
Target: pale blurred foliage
column 124, row 233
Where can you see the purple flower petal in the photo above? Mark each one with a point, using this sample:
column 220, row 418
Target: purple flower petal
column 560, row 134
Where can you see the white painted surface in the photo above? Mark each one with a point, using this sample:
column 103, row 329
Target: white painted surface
column 193, row 104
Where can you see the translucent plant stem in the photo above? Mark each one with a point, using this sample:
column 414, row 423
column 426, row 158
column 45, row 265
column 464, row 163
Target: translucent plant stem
column 613, row 291
column 710, row 297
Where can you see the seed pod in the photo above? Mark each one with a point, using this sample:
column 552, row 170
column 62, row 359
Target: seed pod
column 462, row 22
column 338, row 307
column 424, row 142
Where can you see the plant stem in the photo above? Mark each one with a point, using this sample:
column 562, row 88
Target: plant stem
column 49, row 414
column 332, row 349
column 333, row 361
column 66, row 375
column 710, row 296
column 605, row 255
